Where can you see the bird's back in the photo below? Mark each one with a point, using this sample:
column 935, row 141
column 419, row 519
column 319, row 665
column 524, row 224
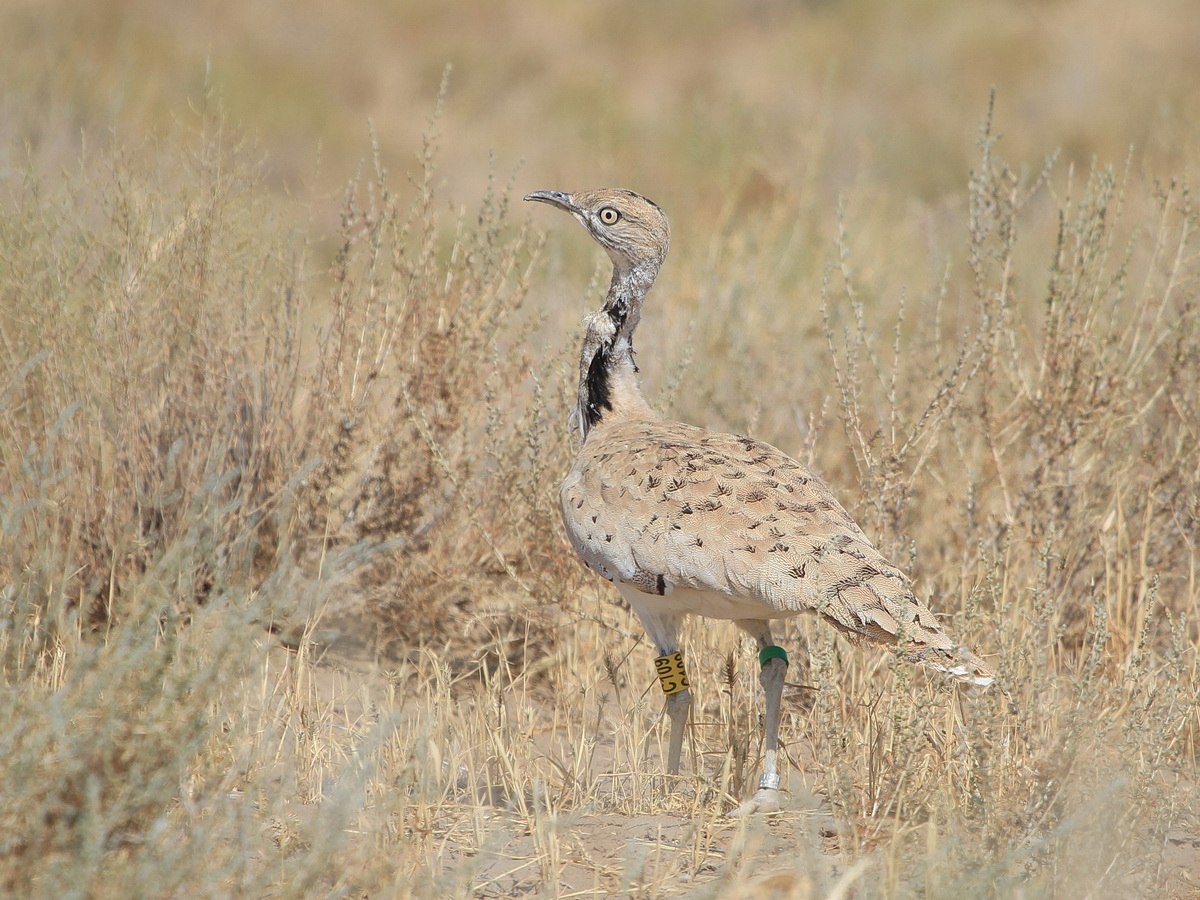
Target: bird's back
column 740, row 530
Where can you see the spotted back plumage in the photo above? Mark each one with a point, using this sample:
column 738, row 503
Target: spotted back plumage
column 745, row 531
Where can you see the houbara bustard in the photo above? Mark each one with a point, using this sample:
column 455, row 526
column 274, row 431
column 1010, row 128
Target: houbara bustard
column 685, row 520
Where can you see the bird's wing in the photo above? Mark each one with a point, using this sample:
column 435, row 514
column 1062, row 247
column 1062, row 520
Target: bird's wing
column 662, row 505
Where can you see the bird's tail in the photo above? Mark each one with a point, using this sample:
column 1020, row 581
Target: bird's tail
column 871, row 611
column 959, row 663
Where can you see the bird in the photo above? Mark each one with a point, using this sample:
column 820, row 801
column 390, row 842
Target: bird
column 687, row 521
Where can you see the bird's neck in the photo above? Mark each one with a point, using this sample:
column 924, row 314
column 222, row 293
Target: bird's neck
column 608, row 376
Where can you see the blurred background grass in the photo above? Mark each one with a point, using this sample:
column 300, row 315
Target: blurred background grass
column 676, row 98
column 719, row 111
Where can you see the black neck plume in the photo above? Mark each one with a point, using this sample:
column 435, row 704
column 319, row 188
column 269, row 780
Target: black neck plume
column 608, row 374
column 598, row 400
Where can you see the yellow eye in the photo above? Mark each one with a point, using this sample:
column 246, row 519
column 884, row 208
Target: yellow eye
column 609, row 216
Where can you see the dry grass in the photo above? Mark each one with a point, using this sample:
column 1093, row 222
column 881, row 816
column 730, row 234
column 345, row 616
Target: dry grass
column 285, row 606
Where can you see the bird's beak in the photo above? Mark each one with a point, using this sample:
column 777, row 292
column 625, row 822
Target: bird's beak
column 561, row 199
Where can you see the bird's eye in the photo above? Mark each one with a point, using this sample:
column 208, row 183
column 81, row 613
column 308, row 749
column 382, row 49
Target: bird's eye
column 609, row 216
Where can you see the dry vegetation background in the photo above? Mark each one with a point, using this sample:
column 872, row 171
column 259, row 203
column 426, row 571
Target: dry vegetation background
column 284, row 606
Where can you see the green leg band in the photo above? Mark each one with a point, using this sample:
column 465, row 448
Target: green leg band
column 671, row 674
column 766, row 654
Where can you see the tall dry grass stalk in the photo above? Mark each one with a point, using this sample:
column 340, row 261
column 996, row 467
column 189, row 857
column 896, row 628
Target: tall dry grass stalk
column 191, row 461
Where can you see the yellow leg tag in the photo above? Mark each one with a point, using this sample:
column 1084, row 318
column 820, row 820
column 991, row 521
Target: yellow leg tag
column 671, row 674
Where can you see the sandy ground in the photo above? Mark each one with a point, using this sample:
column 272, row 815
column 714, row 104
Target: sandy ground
column 607, row 846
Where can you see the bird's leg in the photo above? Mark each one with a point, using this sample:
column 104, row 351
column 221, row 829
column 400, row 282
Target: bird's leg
column 673, row 678
column 774, row 662
column 664, row 631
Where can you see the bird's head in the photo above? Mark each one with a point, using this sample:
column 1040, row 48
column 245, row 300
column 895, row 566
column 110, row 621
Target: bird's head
column 629, row 226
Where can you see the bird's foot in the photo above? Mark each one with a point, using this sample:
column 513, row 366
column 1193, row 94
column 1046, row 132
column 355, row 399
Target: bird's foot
column 766, row 800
